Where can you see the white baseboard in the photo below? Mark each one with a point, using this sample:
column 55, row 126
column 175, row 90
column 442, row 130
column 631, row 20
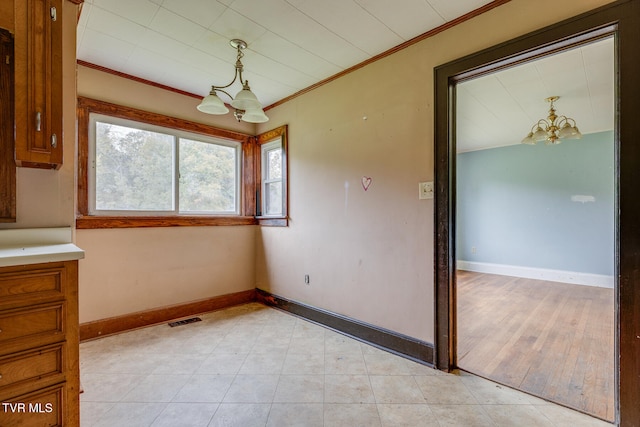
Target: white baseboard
column 573, row 277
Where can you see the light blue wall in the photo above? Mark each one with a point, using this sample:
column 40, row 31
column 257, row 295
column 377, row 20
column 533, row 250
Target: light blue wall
column 514, row 205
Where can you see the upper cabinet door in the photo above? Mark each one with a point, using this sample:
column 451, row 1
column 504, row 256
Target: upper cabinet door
column 38, row 79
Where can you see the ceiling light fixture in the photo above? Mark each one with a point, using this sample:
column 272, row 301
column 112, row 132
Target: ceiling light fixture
column 246, row 104
column 553, row 128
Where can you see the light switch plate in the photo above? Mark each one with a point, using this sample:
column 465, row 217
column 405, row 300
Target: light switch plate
column 425, row 190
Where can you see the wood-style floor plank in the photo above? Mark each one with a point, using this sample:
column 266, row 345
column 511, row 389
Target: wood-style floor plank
column 553, row 340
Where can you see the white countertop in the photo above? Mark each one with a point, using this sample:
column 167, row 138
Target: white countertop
column 37, row 245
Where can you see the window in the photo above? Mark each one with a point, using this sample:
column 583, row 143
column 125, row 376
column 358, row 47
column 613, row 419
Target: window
column 273, row 177
column 271, row 155
column 141, row 169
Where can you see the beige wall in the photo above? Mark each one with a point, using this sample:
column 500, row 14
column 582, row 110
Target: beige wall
column 370, row 254
column 130, row 270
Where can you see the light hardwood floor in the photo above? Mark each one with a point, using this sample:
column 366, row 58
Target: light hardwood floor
column 553, row 340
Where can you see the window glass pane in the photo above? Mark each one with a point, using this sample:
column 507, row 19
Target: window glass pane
column 274, row 164
column 273, row 198
column 134, row 169
column 207, row 177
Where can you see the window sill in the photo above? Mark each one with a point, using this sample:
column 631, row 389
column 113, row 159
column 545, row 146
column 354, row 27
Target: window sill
column 95, row 222
column 270, row 221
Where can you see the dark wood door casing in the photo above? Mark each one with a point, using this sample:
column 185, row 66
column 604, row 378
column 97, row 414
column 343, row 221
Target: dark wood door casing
column 622, row 19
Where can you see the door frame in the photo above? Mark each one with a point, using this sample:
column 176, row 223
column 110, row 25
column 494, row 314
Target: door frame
column 621, row 18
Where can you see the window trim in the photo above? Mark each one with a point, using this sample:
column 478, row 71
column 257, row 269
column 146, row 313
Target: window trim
column 86, row 106
column 263, row 139
column 176, row 137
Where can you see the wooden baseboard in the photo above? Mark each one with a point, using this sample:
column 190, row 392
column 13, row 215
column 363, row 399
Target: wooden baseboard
column 113, row 325
column 394, row 342
column 402, row 345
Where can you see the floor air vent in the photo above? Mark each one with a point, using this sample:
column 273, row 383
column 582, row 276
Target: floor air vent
column 185, row 321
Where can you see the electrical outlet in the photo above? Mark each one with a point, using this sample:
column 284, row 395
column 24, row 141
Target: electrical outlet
column 474, row 250
column 425, row 190
column 306, row 279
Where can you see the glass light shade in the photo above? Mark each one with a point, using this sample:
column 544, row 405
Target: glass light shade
column 574, row 133
column 577, row 134
column 255, row 115
column 554, row 141
column 566, row 131
column 246, row 100
column 569, row 132
column 211, row 104
column 540, row 134
column 529, row 139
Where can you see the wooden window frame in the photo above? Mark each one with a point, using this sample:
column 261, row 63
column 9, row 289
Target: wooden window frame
column 265, row 138
column 86, row 106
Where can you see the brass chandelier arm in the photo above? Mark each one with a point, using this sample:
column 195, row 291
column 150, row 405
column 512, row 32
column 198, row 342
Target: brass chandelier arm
column 542, row 123
column 220, row 89
column 564, row 120
column 238, row 73
column 558, row 122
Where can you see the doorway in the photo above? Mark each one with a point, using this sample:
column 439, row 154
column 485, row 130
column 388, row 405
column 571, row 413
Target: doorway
column 622, row 20
column 535, row 228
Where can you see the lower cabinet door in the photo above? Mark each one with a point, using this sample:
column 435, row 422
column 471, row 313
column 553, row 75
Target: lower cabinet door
column 39, row 408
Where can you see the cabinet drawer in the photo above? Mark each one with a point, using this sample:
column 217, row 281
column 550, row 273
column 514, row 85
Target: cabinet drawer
column 41, row 408
column 28, row 285
column 30, row 323
column 31, row 366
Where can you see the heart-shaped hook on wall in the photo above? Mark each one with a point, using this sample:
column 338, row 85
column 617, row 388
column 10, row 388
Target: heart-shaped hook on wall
column 366, row 182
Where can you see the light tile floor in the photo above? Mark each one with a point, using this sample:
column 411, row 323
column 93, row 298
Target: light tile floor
column 256, row 366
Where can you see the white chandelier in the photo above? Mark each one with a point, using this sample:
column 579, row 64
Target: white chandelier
column 553, row 128
column 246, row 104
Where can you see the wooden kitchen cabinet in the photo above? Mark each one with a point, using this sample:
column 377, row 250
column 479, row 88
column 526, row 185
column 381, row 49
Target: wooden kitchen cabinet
column 39, row 361
column 38, row 83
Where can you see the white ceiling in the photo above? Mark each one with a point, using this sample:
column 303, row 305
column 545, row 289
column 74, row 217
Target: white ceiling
column 293, row 44
column 500, row 109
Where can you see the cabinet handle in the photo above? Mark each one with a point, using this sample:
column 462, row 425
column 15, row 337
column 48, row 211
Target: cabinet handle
column 54, row 140
column 38, row 121
column 54, row 14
